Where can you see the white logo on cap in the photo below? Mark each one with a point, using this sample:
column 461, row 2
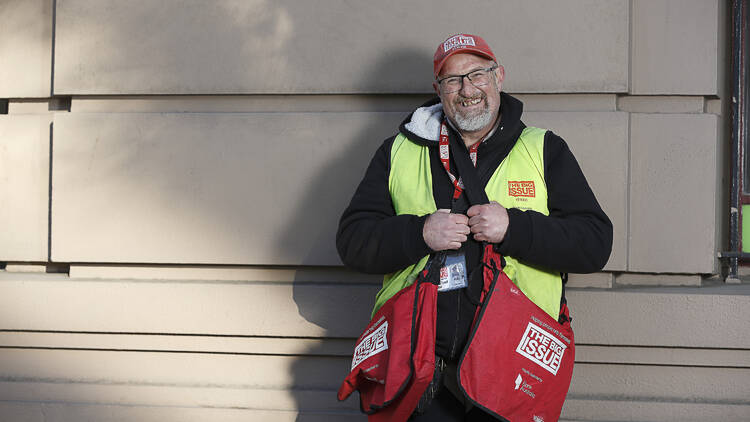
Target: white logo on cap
column 458, row 41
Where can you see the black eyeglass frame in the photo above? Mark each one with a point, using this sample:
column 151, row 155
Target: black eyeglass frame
column 466, row 75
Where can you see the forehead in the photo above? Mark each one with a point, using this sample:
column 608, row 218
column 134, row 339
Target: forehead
column 461, row 63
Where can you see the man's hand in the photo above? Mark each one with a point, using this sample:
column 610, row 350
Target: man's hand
column 488, row 222
column 444, row 230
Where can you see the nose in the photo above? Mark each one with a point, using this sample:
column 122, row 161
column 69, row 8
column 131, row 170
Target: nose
column 468, row 89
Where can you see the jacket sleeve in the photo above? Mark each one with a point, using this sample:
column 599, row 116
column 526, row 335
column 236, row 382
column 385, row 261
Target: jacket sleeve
column 576, row 237
column 371, row 238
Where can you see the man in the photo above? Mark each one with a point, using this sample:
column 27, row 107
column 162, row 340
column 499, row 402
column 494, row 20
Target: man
column 543, row 219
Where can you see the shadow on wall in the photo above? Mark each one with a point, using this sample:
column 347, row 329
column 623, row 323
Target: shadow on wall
column 340, row 306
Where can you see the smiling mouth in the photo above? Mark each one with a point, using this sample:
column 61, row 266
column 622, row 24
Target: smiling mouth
column 470, row 102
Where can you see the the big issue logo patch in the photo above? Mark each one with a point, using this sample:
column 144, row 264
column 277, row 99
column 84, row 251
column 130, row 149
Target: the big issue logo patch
column 542, row 348
column 374, row 343
column 522, row 188
column 458, row 41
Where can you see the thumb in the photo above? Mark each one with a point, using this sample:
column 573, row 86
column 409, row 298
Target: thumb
column 445, row 210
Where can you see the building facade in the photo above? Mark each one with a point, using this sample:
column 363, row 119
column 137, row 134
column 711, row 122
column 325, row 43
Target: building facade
column 172, row 174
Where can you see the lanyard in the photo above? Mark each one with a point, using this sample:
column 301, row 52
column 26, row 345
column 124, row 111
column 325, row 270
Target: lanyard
column 458, row 185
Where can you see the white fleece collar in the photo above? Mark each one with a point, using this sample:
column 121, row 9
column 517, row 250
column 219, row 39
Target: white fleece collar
column 425, row 122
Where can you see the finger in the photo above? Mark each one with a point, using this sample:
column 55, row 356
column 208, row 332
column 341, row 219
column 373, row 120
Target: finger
column 477, row 228
column 461, row 238
column 473, row 221
column 446, row 210
column 454, row 245
column 480, row 237
column 459, row 219
column 473, row 210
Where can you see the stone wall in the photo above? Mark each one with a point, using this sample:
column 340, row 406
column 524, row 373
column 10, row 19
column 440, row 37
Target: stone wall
column 172, row 173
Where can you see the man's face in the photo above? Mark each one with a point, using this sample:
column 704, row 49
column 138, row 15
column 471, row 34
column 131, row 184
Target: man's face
column 471, row 108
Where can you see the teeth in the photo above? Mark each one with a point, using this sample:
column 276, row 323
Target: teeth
column 471, row 102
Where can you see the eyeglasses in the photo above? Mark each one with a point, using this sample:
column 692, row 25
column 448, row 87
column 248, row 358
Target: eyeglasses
column 479, row 77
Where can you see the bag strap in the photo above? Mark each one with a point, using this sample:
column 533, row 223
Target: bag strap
column 472, row 187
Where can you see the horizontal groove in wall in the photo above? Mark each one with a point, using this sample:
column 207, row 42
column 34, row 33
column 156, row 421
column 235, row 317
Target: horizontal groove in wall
column 343, row 347
column 247, row 103
column 661, row 103
column 179, row 343
column 316, row 103
column 221, row 273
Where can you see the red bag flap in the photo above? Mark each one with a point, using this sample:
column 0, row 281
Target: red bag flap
column 519, row 362
column 394, row 358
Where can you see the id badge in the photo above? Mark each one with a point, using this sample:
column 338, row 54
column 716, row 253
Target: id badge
column 453, row 273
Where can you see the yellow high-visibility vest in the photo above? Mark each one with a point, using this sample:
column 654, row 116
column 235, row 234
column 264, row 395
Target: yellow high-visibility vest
column 518, row 182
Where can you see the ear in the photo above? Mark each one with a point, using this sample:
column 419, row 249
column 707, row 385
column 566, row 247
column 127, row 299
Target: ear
column 500, row 74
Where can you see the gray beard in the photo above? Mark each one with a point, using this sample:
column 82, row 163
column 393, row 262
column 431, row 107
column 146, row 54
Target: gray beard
column 475, row 122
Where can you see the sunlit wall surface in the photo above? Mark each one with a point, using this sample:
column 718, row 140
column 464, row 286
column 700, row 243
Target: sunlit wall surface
column 172, row 174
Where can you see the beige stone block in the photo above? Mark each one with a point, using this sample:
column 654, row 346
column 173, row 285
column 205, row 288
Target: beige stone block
column 568, row 102
column 39, row 302
column 25, row 268
column 190, row 188
column 67, row 412
column 673, row 193
column 661, row 383
column 598, row 280
column 663, row 356
column 181, row 396
column 24, row 190
column 714, row 106
column 261, row 47
column 229, row 371
column 675, row 47
column 28, row 106
column 660, row 104
column 599, row 142
column 646, row 410
column 661, row 317
column 144, row 379
column 692, row 317
column 647, row 279
column 25, row 48
column 163, row 379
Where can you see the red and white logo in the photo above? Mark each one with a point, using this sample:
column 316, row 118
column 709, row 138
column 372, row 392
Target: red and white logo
column 542, row 348
column 374, row 343
column 458, row 41
column 522, row 188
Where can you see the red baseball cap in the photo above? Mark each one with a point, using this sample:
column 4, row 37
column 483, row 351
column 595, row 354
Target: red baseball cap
column 461, row 43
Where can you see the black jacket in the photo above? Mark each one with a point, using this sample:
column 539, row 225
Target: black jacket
column 576, row 236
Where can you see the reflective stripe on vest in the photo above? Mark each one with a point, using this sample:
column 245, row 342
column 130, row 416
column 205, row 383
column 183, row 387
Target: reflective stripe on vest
column 518, row 182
